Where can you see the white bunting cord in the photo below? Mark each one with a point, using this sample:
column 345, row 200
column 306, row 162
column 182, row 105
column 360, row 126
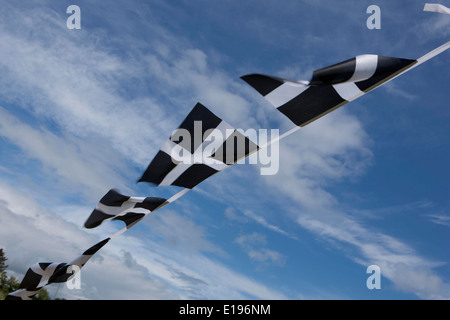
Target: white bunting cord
column 56, row 292
column 425, row 58
column 345, row 90
column 121, row 231
column 170, row 200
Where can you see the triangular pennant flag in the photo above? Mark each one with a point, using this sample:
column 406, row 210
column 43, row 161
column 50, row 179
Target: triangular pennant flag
column 329, row 88
column 116, row 206
column 203, row 145
column 44, row 273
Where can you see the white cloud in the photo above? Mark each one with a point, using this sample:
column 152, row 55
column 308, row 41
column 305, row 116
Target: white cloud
column 80, row 84
column 437, row 25
column 266, row 255
column 333, row 148
column 418, row 280
column 74, row 163
column 207, row 278
column 251, row 239
column 181, row 232
column 263, row 222
column 440, row 219
column 397, row 260
column 230, row 213
column 254, row 244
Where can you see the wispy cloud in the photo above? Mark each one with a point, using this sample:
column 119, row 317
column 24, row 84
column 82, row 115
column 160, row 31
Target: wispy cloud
column 440, row 219
column 255, row 246
column 401, row 264
column 264, row 223
column 333, row 148
column 181, row 232
column 72, row 163
column 377, row 213
column 82, row 100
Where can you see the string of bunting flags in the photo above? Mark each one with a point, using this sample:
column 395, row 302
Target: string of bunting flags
column 186, row 162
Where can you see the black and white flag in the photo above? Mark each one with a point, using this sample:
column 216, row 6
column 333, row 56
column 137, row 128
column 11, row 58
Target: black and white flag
column 44, row 273
column 116, row 206
column 330, row 88
column 203, row 145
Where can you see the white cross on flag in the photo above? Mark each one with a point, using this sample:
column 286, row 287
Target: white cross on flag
column 203, row 145
column 329, row 88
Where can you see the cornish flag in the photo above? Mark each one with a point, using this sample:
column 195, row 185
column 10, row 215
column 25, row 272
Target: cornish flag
column 330, row 88
column 43, row 273
column 116, row 206
column 203, row 145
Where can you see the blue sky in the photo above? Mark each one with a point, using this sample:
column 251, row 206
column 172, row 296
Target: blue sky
column 84, row 111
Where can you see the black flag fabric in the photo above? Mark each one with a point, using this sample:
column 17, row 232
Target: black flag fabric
column 329, row 88
column 116, row 206
column 203, row 145
column 43, row 273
